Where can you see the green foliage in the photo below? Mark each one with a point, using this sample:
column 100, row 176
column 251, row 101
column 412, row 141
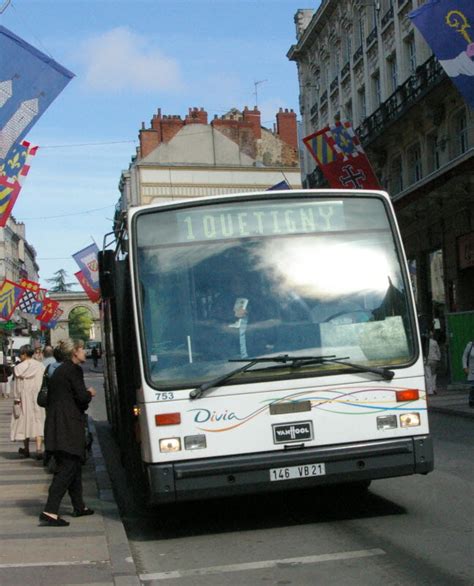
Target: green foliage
column 80, row 323
column 59, row 282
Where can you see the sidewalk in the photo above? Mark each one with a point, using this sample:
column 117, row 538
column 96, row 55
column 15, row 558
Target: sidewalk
column 451, row 399
column 92, row 550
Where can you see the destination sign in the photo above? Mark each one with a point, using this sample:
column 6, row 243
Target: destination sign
column 219, row 223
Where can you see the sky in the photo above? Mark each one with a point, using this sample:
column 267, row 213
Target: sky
column 131, row 57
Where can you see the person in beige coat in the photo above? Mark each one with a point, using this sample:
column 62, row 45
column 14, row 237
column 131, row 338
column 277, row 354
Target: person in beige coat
column 28, row 417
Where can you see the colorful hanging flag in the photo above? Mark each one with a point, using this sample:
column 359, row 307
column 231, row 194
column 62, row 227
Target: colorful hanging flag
column 12, row 175
column 26, row 302
column 41, row 295
column 448, row 28
column 29, row 82
column 52, row 323
column 89, row 265
column 93, row 294
column 36, row 308
column 341, row 158
column 30, row 285
column 47, row 311
column 10, row 294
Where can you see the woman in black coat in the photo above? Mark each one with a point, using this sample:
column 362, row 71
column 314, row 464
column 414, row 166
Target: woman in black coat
column 68, row 399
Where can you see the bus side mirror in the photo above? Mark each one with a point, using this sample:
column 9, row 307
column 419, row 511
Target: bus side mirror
column 106, row 273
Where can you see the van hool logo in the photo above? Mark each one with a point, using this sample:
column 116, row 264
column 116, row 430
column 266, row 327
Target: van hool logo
column 292, row 432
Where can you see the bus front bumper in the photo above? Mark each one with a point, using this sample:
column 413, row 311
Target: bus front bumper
column 250, row 473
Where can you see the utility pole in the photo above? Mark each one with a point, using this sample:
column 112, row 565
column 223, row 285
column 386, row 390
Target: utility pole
column 255, row 93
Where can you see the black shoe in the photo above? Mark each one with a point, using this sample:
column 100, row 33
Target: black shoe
column 24, row 453
column 39, row 455
column 47, row 521
column 85, row 511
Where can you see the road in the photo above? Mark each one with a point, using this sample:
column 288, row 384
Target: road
column 416, row 530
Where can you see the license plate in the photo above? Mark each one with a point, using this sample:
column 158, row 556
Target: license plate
column 303, row 471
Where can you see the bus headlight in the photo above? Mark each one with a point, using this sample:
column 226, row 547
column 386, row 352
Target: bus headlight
column 170, row 444
column 195, row 442
column 387, row 422
column 410, row 420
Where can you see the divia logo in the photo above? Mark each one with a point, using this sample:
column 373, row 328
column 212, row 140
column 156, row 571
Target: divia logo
column 220, row 420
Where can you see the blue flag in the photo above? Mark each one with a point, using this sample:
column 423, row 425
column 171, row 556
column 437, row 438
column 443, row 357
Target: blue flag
column 448, row 28
column 278, row 186
column 29, row 82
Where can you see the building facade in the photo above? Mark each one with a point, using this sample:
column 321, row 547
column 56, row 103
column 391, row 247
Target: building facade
column 363, row 61
column 17, row 261
column 181, row 158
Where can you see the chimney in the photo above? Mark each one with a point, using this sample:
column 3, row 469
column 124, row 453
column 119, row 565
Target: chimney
column 253, row 117
column 149, row 140
column 170, row 125
column 196, row 116
column 286, row 127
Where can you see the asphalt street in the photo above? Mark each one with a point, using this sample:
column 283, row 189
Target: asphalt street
column 413, row 530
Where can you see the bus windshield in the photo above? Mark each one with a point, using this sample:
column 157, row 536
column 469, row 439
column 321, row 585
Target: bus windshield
column 242, row 279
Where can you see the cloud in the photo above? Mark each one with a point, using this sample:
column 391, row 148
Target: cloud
column 122, row 60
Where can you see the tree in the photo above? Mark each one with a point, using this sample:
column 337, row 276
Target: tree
column 80, row 323
column 59, row 281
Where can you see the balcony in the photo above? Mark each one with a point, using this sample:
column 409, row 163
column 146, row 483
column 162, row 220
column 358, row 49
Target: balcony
column 404, row 97
column 372, row 36
column 345, row 70
column 357, row 54
column 387, row 17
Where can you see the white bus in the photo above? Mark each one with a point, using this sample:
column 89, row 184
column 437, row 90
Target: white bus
column 262, row 342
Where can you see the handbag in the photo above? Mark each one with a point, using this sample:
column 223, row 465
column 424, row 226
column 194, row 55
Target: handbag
column 42, row 398
column 16, row 410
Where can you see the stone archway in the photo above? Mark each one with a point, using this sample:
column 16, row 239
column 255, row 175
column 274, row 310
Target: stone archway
column 68, row 301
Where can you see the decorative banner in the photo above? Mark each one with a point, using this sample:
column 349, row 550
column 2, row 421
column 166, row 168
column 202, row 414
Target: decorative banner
column 52, row 323
column 12, row 175
column 93, row 294
column 29, row 82
column 448, row 28
column 10, row 294
column 89, row 265
column 26, row 302
column 341, row 158
column 47, row 311
column 41, row 295
column 30, row 285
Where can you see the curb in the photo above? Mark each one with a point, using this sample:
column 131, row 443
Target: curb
column 124, row 571
column 451, row 411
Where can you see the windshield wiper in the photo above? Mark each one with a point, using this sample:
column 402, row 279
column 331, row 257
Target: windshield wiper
column 299, row 361
column 385, row 373
column 284, row 358
column 295, row 362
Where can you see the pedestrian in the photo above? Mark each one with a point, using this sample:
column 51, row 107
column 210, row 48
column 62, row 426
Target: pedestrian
column 432, row 362
column 27, row 417
column 468, row 367
column 95, row 356
column 38, row 355
column 49, row 461
column 65, row 437
column 5, row 374
column 48, row 357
